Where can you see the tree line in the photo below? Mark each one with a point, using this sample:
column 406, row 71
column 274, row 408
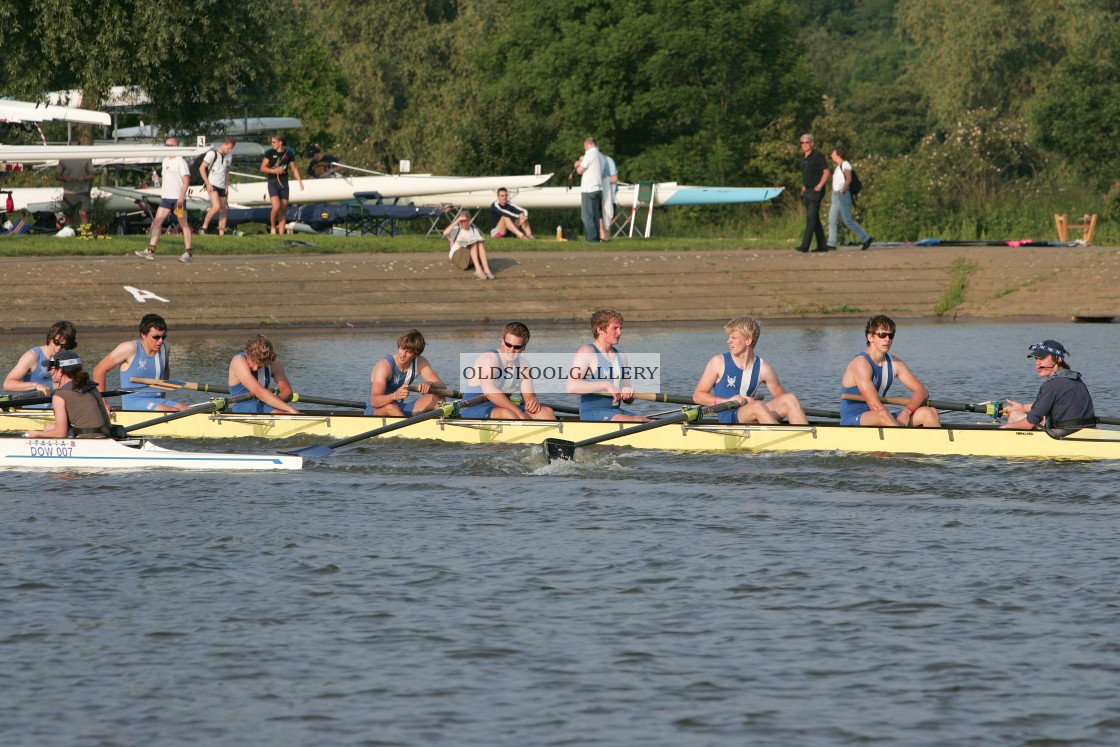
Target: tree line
column 972, row 117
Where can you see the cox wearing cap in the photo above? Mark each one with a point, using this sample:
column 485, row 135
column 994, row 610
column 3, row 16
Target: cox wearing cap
column 1063, row 400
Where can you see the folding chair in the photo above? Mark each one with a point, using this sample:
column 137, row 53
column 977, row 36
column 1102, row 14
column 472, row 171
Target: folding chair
column 644, row 194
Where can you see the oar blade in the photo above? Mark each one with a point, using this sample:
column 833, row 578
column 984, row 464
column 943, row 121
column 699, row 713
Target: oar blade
column 558, row 448
column 310, row 452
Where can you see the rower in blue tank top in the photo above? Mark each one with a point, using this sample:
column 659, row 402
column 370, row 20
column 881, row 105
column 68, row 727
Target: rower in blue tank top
column 147, row 357
column 31, row 374
column 738, row 374
column 502, row 372
column 872, row 373
column 391, row 377
column 596, row 369
column 256, row 371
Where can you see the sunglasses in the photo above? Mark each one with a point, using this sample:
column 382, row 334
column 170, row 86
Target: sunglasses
column 511, row 346
column 884, row 335
column 159, row 337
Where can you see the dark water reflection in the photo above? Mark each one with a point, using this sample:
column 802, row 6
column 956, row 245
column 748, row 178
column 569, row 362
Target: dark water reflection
column 418, row 593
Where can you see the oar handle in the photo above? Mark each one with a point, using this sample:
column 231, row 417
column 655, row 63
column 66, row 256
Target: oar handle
column 446, row 410
column 316, row 400
column 171, row 384
column 994, row 409
column 673, row 399
column 438, row 391
column 9, row 401
column 218, row 403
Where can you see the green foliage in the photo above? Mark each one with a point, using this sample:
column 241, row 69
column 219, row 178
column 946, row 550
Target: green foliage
column 959, row 273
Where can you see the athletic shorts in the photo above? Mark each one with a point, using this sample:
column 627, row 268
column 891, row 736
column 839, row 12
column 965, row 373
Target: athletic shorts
column 853, row 418
column 275, row 190
column 169, row 203
column 602, row 414
column 140, row 402
column 252, row 406
column 72, row 202
column 496, row 233
column 220, row 191
column 482, row 411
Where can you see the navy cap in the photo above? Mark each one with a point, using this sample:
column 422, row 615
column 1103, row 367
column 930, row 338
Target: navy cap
column 1047, row 347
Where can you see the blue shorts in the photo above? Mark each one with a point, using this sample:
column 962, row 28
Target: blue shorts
column 729, row 417
column 252, row 406
column 602, row 414
column 275, row 190
column 166, row 202
column 482, row 412
column 142, row 402
column 220, row 191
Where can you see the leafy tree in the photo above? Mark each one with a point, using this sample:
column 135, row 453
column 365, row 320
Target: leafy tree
column 197, row 58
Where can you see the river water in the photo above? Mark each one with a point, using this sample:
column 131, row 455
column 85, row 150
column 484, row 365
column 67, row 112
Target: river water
column 408, row 593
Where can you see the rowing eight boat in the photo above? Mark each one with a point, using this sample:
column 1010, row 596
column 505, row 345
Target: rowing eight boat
column 965, row 440
column 104, row 453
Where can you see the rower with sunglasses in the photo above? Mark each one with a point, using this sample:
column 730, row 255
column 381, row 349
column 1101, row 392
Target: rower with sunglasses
column 500, row 372
column 146, row 357
column 870, row 376
column 31, row 373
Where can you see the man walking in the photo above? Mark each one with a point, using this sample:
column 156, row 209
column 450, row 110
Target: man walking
column 814, row 175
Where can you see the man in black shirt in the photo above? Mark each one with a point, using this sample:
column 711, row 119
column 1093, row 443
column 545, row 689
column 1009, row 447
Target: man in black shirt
column 814, row 175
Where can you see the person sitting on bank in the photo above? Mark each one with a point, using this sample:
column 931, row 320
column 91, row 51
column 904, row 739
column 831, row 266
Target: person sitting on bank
column 30, row 374
column 507, row 218
column 737, row 375
column 79, row 410
column 871, row 374
column 321, row 165
column 501, row 372
column 391, row 377
column 256, row 370
column 1063, row 400
column 464, row 237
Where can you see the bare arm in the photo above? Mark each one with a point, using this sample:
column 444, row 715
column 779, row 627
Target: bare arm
column 702, row 394
column 918, row 392
column 120, row 357
column 378, row 379
column 24, row 366
column 60, row 428
column 240, row 372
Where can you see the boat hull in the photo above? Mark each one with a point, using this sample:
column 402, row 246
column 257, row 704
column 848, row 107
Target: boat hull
column 668, row 194
column 98, row 453
column 1090, row 443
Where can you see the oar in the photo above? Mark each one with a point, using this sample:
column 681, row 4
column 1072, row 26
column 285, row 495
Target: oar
column 171, row 384
column 447, row 410
column 986, row 408
column 14, row 400
column 814, row 413
column 558, row 448
column 218, row 403
column 438, row 391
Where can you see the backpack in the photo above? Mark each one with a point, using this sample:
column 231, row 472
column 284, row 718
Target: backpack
column 855, row 186
column 196, row 164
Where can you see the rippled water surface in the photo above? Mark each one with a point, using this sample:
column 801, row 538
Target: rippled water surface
column 409, row 593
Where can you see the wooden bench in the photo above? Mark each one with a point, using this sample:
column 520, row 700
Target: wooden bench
column 1086, row 226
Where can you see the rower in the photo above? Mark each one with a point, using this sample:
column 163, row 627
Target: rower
column 149, row 357
column 870, row 376
column 1063, row 400
column 256, row 370
column 391, row 377
column 598, row 369
column 79, row 410
column 501, row 372
column 30, row 374
column 737, row 375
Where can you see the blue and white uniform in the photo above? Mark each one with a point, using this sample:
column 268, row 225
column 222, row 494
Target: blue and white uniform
column 508, row 381
column 881, row 377
column 397, row 379
column 40, row 375
column 146, row 367
column 264, row 378
column 736, row 382
column 598, row 408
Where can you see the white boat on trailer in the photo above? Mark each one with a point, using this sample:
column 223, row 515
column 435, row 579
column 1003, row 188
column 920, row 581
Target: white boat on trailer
column 105, row 453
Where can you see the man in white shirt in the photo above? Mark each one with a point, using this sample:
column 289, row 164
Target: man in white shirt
column 610, row 192
column 176, row 175
column 214, row 170
column 590, row 169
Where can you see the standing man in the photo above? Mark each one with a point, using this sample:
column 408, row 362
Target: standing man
column 590, row 169
column 500, row 372
column 507, row 218
column 870, row 376
column 255, row 371
column 214, row 170
column 737, row 374
column 76, row 175
column 173, row 195
column 1063, row 400
column 599, row 369
column 610, row 193
column 814, row 175
column 148, row 358
column 276, row 163
column 841, row 206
